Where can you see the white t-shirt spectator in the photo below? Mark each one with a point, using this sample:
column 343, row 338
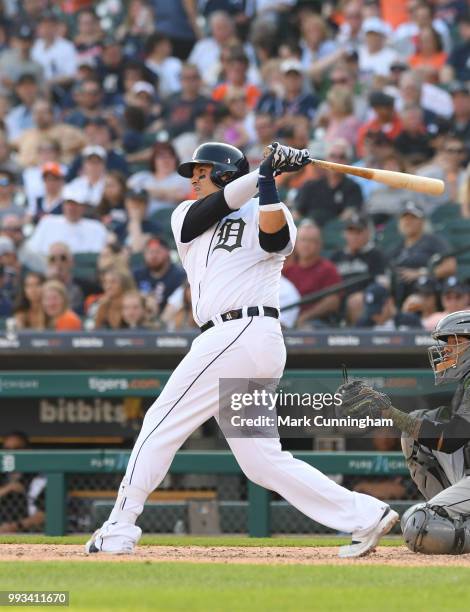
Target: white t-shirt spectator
column 169, row 75
column 85, row 236
column 371, row 64
column 57, row 60
column 92, row 194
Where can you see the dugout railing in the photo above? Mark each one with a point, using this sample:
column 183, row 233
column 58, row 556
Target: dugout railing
column 58, row 465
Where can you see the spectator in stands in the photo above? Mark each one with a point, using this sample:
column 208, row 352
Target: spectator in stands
column 110, row 71
column 413, row 141
column 454, row 297
column 81, row 235
column 319, row 50
column 205, row 125
column 380, row 311
column 55, row 54
column 406, row 36
column 70, row 138
column 236, row 125
column 334, row 193
column 385, row 202
column 429, row 51
column 447, row 165
column 457, row 63
column 206, row 52
column 28, row 310
column 358, row 257
column 91, row 181
column 134, row 315
column 178, row 312
column 136, row 229
column 51, row 201
column 55, row 303
column 98, row 132
column 88, row 98
column 295, row 100
column 375, row 58
column 32, row 177
column 350, row 33
column 164, row 185
column 7, row 195
column 160, row 61
column 20, row 118
column 16, row 60
column 461, row 117
column 178, row 21
column 12, row 226
column 6, row 160
column 310, row 273
column 89, row 36
column 414, row 91
column 111, row 210
column 137, row 24
column 265, row 128
column 108, row 312
column 386, row 120
column 182, row 108
column 411, row 257
column 160, row 276
column 424, row 300
column 341, row 120
column 22, row 496
column 237, row 77
column 60, row 266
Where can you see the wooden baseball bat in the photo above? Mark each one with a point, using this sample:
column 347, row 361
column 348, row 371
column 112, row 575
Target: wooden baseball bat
column 399, row 180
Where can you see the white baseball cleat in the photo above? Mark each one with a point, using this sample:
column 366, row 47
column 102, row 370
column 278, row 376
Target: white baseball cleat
column 364, row 542
column 114, row 538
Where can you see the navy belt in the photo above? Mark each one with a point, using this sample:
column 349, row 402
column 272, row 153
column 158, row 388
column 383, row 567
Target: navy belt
column 252, row 311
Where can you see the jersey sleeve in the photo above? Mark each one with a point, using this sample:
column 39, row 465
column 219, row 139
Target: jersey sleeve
column 177, row 219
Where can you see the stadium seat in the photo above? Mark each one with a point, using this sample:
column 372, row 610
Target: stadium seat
column 388, row 238
column 445, row 213
column 162, row 217
column 456, row 232
column 85, row 266
column 332, row 234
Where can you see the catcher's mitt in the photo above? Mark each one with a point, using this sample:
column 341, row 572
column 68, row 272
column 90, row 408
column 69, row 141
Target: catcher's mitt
column 360, row 401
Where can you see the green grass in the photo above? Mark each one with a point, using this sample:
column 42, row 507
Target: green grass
column 172, row 540
column 168, row 587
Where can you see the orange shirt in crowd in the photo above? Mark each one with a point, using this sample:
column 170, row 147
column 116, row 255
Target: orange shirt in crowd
column 434, row 61
column 391, row 130
column 394, row 13
column 69, row 321
column 251, row 91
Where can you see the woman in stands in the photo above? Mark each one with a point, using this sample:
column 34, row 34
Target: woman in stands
column 29, row 312
column 56, row 307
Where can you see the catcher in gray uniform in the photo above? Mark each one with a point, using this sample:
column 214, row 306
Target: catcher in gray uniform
column 436, row 444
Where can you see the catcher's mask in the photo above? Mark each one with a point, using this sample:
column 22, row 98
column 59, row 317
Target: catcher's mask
column 450, row 356
column 228, row 162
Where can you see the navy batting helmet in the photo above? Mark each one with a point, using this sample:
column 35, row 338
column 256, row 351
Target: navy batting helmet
column 228, row 163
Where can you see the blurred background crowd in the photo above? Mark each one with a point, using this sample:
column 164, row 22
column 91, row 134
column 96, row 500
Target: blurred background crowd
column 100, row 100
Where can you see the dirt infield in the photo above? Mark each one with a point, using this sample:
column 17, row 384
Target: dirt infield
column 273, row 555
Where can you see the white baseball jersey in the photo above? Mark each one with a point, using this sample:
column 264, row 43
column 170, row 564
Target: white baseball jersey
column 226, row 266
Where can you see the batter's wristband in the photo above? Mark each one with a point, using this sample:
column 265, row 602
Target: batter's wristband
column 271, row 207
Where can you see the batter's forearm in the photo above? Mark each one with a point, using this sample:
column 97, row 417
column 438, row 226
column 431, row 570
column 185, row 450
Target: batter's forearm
column 238, row 192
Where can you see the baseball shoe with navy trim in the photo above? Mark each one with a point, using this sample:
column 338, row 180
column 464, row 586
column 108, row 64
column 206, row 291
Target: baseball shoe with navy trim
column 363, row 542
column 114, row 538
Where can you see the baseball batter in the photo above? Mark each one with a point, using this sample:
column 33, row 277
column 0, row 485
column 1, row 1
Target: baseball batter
column 232, row 246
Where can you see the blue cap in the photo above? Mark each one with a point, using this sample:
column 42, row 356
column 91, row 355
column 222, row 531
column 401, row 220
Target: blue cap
column 375, row 297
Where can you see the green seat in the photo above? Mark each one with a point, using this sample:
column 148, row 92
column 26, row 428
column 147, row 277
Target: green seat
column 163, row 219
column 456, row 232
column 388, row 238
column 332, row 235
column 445, row 213
column 85, row 266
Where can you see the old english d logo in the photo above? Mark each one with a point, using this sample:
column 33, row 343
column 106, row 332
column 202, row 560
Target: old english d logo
column 230, row 235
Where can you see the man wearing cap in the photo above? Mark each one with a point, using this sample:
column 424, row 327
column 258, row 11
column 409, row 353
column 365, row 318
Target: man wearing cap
column 375, row 58
column 51, row 201
column 55, row 54
column 380, row 312
column 7, row 195
column 16, row 59
column 359, row 256
column 88, row 98
column 454, row 297
column 458, row 66
column 92, row 180
column 424, row 300
column 295, row 101
column 20, row 118
column 460, row 119
column 411, row 257
column 386, row 120
column 79, row 234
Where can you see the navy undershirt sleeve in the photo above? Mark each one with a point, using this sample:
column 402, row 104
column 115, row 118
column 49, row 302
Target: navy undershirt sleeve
column 203, row 214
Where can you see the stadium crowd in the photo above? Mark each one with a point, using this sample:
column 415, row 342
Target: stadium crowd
column 100, row 100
